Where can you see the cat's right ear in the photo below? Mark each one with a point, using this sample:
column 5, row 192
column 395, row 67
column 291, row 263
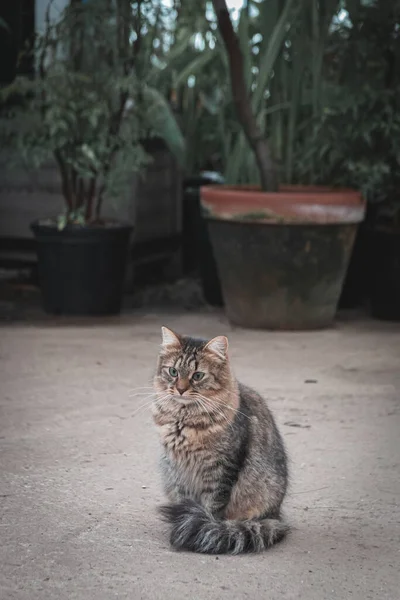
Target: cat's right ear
column 170, row 339
column 218, row 346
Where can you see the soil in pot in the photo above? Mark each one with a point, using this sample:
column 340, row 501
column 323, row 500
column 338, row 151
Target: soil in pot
column 385, row 274
column 282, row 257
column 81, row 269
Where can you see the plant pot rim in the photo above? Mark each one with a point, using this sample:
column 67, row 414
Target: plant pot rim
column 46, row 230
column 50, row 223
column 291, row 205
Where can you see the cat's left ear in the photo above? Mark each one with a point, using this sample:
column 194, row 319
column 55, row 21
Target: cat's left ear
column 169, row 338
column 218, row 346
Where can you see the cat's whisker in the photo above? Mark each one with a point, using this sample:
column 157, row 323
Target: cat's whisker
column 216, row 409
column 230, row 407
column 138, row 394
column 240, row 412
column 159, row 399
column 224, row 405
column 204, row 399
column 147, row 394
column 141, row 407
column 203, row 406
column 232, row 393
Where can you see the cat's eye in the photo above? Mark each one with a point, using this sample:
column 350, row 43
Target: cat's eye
column 173, row 372
column 198, row 376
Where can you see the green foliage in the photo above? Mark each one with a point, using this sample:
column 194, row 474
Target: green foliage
column 324, row 79
column 91, row 104
column 324, row 91
column 356, row 140
column 357, row 143
column 283, row 45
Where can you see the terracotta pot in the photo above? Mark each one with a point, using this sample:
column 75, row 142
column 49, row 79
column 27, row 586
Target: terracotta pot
column 292, row 204
column 282, row 257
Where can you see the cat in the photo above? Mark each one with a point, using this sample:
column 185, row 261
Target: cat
column 224, row 465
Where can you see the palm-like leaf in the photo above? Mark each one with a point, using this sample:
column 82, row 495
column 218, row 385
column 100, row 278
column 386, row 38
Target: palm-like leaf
column 164, row 122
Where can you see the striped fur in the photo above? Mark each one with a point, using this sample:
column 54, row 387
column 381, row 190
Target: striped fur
column 197, row 530
column 223, row 463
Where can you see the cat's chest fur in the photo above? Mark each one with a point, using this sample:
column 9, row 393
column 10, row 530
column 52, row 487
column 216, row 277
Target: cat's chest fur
column 188, row 448
column 181, row 438
column 186, row 456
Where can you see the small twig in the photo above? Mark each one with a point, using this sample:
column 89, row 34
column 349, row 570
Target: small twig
column 74, row 177
column 99, row 201
column 42, row 70
column 80, row 193
column 138, row 29
column 65, row 183
column 90, row 193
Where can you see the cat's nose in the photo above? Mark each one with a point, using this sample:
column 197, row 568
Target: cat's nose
column 182, row 387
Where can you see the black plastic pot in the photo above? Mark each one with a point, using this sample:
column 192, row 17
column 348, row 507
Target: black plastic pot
column 82, row 269
column 385, row 274
column 198, row 255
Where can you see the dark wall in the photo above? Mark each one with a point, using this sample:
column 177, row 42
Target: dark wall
column 15, row 41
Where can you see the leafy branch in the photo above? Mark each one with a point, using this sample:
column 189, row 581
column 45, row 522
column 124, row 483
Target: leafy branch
column 84, row 108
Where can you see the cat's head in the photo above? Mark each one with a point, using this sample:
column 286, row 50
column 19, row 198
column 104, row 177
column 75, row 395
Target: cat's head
column 190, row 367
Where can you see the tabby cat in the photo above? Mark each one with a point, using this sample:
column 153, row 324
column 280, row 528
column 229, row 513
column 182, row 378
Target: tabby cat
column 223, row 463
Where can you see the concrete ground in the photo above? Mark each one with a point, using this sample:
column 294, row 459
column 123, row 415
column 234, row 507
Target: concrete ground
column 79, row 485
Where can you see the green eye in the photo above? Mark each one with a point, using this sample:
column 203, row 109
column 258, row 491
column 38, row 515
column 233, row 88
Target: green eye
column 173, row 372
column 197, row 376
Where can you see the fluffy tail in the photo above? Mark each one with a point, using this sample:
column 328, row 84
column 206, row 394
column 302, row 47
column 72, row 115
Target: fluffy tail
column 195, row 529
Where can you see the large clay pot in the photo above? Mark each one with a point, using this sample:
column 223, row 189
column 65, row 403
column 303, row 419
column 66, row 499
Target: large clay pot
column 282, row 257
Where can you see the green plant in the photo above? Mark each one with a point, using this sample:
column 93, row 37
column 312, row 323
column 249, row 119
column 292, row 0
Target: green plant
column 355, row 141
column 91, row 104
column 282, row 45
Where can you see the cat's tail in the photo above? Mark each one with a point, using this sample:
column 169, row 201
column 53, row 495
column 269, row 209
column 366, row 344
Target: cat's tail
column 195, row 529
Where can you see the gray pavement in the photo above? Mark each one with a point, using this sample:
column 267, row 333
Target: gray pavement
column 78, row 463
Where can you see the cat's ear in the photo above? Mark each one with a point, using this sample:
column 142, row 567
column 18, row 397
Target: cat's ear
column 218, row 346
column 169, row 338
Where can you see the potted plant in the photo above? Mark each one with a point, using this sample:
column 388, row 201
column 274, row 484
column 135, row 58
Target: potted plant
column 376, row 168
column 356, row 143
column 282, row 251
column 88, row 109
